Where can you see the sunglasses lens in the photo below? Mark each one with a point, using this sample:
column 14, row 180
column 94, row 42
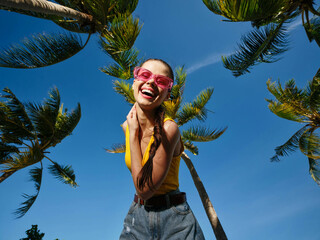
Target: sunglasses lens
column 144, row 74
column 163, row 82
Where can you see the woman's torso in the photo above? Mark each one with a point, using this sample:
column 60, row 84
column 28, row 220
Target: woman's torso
column 171, row 182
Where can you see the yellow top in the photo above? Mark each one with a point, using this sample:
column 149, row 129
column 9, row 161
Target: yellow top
column 171, row 182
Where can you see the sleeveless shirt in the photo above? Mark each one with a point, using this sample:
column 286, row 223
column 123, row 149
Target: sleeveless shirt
column 171, row 182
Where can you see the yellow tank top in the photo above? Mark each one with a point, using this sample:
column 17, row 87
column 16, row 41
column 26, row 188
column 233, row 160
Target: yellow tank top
column 171, row 182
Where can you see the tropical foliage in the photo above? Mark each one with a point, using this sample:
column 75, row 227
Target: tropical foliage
column 111, row 20
column 33, row 234
column 303, row 106
column 184, row 113
column 269, row 19
column 27, row 131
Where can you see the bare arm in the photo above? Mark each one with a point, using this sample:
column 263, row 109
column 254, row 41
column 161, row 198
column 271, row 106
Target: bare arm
column 162, row 158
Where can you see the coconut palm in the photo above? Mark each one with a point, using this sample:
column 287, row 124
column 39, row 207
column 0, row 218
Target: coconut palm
column 110, row 19
column 27, row 131
column 269, row 18
column 183, row 114
column 303, row 106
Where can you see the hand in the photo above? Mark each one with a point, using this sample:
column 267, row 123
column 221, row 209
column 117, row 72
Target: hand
column 132, row 121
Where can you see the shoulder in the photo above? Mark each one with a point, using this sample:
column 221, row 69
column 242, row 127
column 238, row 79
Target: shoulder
column 124, row 126
column 171, row 129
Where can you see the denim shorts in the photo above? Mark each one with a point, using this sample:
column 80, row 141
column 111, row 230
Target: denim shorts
column 174, row 223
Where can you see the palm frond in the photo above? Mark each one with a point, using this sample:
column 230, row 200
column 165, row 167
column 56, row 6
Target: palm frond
column 15, row 125
column 294, row 100
column 171, row 107
column 285, row 111
column 121, row 35
column 36, row 177
column 65, row 124
column 23, row 159
column 309, row 143
column 41, row 50
column 64, row 174
column 124, row 89
column 250, row 10
column 190, row 147
column 18, row 110
column 202, row 134
column 196, row 109
column 289, row 146
column 312, row 29
column 124, row 6
column 125, row 63
column 6, row 150
column 117, row 148
column 261, row 45
column 213, row 6
column 180, row 81
column 314, row 170
column 313, row 93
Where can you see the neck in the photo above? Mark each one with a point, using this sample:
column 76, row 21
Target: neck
column 146, row 118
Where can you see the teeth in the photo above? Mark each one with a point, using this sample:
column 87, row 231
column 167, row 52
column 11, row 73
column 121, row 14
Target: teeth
column 147, row 92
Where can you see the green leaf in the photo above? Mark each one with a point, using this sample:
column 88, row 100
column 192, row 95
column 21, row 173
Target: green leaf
column 314, row 170
column 261, row 45
column 312, row 29
column 289, row 146
column 202, row 134
column 310, row 143
column 313, row 93
column 24, row 159
column 190, row 146
column 126, row 61
column 124, row 89
column 196, row 109
column 213, row 6
column 64, row 174
column 6, row 150
column 121, row 34
column 41, row 50
column 117, row 148
column 36, row 177
column 252, row 10
column 65, row 124
column 15, row 125
column 292, row 101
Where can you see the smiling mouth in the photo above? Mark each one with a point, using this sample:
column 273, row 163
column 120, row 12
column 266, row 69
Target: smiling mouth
column 147, row 92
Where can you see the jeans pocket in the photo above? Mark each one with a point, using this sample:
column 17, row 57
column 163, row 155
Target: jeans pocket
column 182, row 208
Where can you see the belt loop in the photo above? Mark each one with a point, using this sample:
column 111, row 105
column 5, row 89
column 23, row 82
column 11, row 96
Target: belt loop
column 167, row 201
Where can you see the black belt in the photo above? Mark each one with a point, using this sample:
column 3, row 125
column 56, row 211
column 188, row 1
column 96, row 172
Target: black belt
column 163, row 200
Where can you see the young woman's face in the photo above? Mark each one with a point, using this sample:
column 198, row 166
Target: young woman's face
column 147, row 94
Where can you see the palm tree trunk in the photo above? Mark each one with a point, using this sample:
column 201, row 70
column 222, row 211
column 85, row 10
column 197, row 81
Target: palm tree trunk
column 46, row 7
column 211, row 213
column 5, row 175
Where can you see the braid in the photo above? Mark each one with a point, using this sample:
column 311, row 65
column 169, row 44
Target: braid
column 145, row 175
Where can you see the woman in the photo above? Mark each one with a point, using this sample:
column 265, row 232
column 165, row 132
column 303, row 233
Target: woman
column 153, row 151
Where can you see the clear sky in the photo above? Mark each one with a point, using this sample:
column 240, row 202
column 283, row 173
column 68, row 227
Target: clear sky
column 254, row 198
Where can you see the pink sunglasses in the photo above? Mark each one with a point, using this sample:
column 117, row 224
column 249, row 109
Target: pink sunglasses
column 145, row 75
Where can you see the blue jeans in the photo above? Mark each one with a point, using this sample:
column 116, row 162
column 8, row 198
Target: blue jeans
column 174, row 223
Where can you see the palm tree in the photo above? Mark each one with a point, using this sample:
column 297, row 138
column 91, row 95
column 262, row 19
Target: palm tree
column 301, row 106
column 269, row 18
column 112, row 20
column 183, row 114
column 27, row 131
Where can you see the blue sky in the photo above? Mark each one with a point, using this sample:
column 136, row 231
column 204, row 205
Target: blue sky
column 254, row 198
